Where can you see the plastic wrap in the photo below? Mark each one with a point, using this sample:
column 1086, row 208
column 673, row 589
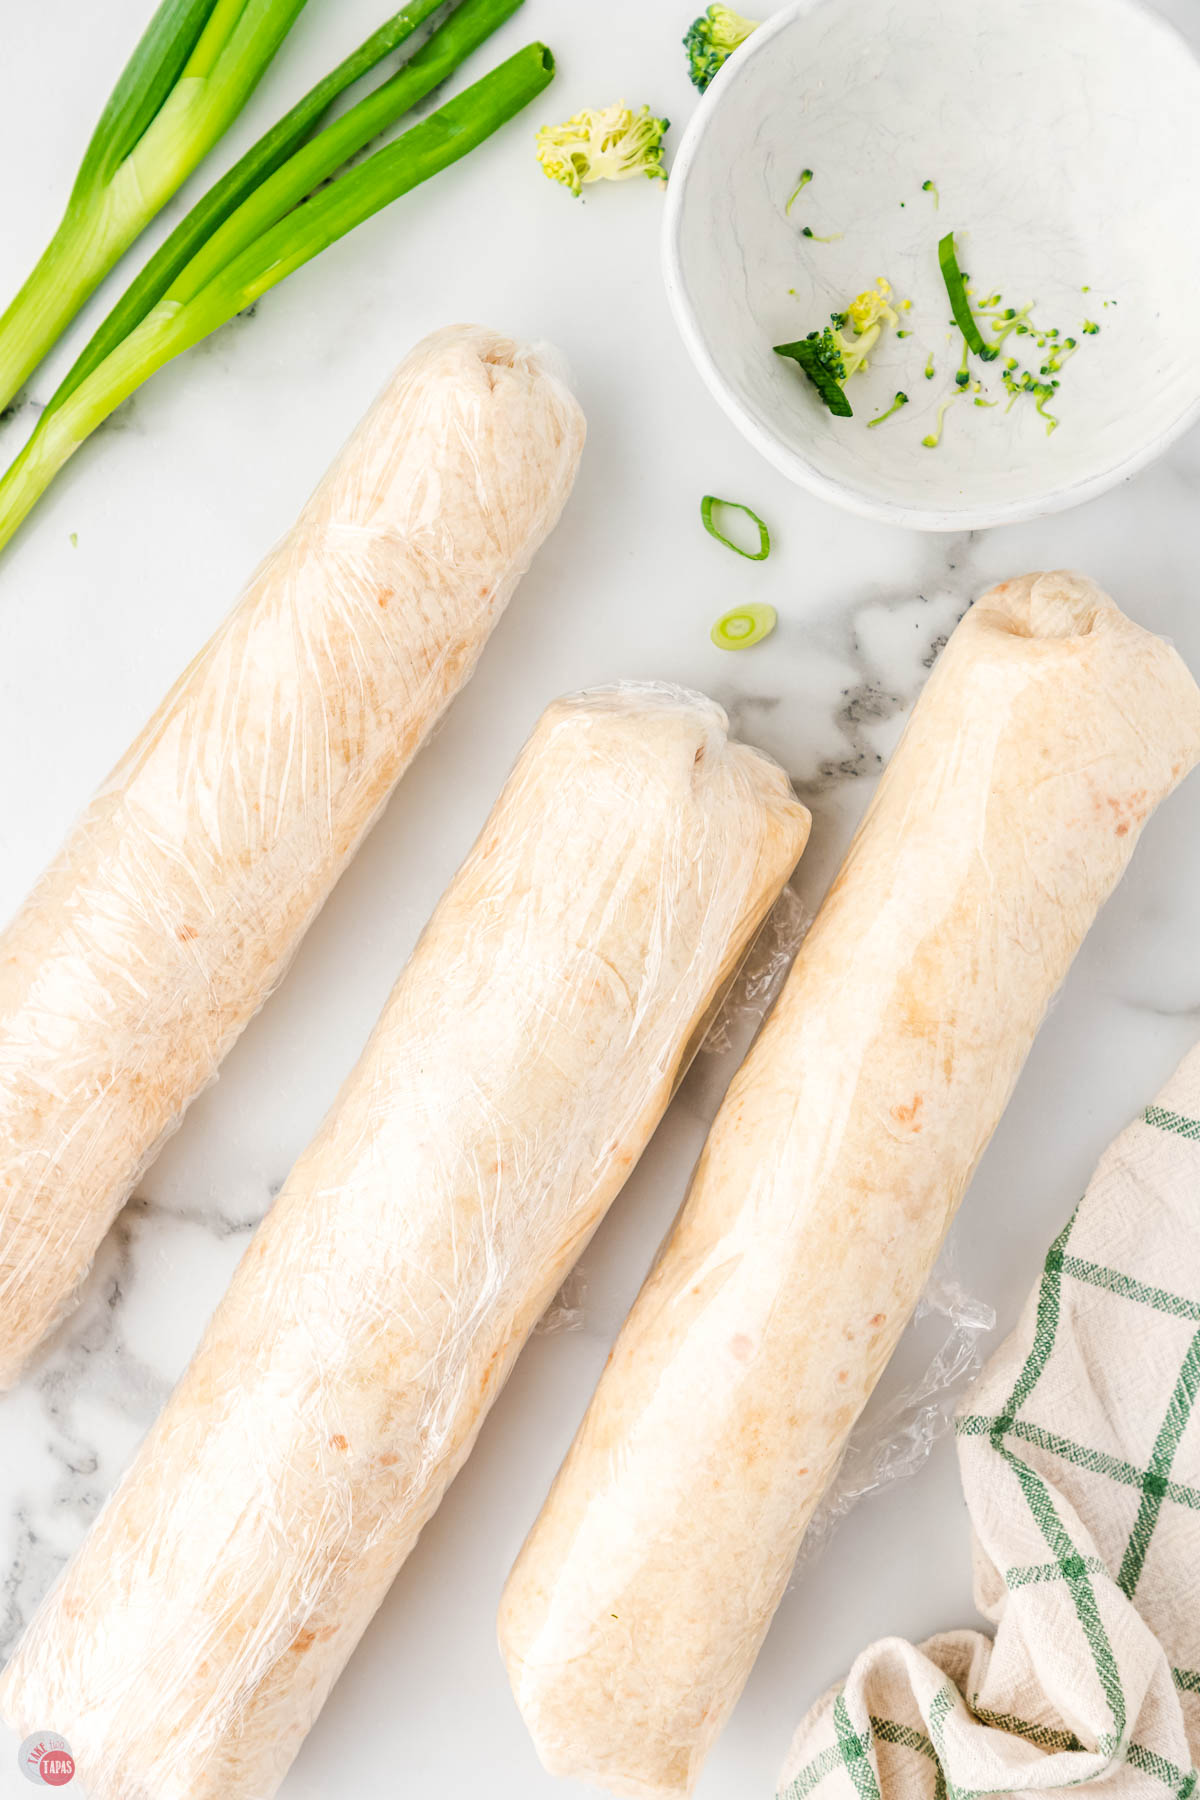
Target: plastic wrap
column 892, row 1440
column 1048, row 732
column 182, row 893
column 522, row 1062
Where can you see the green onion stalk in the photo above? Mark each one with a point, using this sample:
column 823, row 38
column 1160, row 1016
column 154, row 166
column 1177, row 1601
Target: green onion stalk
column 284, row 224
column 188, row 79
column 260, row 161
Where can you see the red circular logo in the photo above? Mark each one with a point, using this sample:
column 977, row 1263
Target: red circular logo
column 46, row 1760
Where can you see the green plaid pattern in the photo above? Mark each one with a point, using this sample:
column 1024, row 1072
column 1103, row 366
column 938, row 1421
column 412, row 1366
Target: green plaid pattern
column 1079, row 1448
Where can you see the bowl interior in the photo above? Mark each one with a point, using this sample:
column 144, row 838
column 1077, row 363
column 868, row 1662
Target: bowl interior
column 1064, row 140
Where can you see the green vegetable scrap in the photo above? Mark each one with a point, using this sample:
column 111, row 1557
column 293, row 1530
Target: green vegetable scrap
column 708, row 508
column 197, row 64
column 1020, row 382
column 897, row 403
column 806, row 176
column 833, row 238
column 743, row 626
column 929, row 368
column 960, row 305
column 930, row 187
column 273, row 213
column 933, row 438
column 611, row 144
column 711, row 40
column 1002, row 323
column 830, row 357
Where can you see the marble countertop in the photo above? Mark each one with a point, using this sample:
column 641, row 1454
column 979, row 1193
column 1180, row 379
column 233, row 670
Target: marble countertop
column 140, row 550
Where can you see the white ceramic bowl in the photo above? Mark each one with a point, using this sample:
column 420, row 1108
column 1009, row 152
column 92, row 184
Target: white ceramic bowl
column 1064, row 137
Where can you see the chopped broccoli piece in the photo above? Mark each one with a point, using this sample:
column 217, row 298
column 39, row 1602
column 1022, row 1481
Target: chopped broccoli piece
column 711, row 39
column 805, row 177
column 610, row 144
column 820, row 356
column 900, row 400
column 831, row 356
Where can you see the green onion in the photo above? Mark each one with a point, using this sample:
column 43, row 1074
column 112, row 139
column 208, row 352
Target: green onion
column 960, row 306
column 805, row 178
column 806, row 351
column 707, row 506
column 743, row 626
column 272, row 233
column 259, row 162
column 188, row 79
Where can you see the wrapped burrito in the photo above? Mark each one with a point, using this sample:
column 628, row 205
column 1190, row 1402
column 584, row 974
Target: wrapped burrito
column 1049, row 731
column 519, row 1067
column 178, row 900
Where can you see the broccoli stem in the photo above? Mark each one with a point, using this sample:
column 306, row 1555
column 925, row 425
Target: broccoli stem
column 174, row 324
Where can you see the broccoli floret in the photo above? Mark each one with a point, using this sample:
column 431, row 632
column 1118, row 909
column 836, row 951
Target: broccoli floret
column 713, row 37
column 830, row 357
column 611, row 144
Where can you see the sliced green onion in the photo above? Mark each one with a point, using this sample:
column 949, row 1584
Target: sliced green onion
column 188, row 79
column 707, row 506
column 743, row 626
column 186, row 314
column 805, row 178
column 805, row 351
column 897, row 403
column 263, row 158
column 960, row 306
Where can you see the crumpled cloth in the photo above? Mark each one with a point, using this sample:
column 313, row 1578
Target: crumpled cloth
column 1079, row 1448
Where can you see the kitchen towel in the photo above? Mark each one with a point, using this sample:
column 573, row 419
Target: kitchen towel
column 1079, row 1447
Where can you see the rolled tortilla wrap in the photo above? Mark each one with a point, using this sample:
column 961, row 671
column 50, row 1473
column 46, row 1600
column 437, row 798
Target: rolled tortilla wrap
column 513, row 1080
column 181, row 895
column 1049, row 731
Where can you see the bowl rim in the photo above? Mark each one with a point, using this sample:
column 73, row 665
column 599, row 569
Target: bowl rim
column 766, row 440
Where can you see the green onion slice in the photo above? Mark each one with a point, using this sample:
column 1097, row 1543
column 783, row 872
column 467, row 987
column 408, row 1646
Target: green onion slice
column 743, row 626
column 960, row 306
column 707, row 505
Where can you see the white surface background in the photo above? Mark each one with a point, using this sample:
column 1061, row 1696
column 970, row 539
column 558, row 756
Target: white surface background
column 175, row 502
